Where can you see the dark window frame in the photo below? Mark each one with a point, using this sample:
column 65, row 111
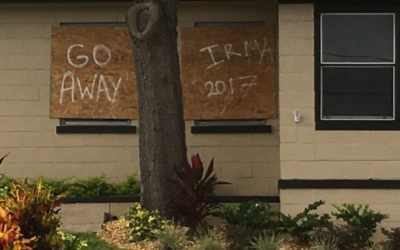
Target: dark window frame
column 95, row 126
column 355, row 124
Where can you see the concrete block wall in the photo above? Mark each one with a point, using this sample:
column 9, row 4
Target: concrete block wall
column 309, row 154
column 250, row 162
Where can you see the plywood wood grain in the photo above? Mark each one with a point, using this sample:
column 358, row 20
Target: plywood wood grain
column 92, row 73
column 229, row 72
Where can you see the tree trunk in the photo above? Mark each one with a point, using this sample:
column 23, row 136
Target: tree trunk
column 162, row 145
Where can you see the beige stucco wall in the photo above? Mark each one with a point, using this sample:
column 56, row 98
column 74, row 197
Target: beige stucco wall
column 250, row 162
column 309, row 154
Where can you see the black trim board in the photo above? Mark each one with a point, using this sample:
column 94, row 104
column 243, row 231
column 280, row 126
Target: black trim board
column 93, row 1
column 229, row 129
column 95, row 129
column 335, row 2
column 338, row 184
column 136, row 198
column 296, row 1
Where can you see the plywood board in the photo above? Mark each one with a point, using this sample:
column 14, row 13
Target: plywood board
column 92, row 73
column 229, row 72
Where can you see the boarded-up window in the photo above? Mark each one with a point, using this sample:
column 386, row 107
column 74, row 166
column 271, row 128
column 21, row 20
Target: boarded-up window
column 92, row 73
column 229, row 72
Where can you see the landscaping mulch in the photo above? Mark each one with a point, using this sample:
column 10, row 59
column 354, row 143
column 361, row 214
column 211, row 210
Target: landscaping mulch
column 115, row 233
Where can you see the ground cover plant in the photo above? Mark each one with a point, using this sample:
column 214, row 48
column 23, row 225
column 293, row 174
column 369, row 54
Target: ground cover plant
column 305, row 224
column 267, row 242
column 307, row 230
column 172, row 237
column 92, row 242
column 359, row 225
column 247, row 221
column 29, row 221
column 144, row 224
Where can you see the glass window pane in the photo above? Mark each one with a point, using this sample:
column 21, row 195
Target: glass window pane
column 357, row 93
column 357, row 37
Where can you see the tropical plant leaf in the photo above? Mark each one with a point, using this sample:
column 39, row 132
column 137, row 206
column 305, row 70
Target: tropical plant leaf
column 2, row 158
column 192, row 206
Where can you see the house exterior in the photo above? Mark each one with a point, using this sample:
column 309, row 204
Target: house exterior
column 329, row 138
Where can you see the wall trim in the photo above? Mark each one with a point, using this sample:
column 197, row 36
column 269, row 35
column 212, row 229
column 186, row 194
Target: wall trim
column 342, row 2
column 85, row 129
column 296, row 1
column 338, row 184
column 136, row 198
column 97, row 1
column 228, row 129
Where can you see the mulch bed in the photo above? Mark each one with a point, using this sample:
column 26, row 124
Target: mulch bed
column 116, row 234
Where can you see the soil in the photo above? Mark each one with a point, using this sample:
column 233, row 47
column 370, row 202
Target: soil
column 116, row 234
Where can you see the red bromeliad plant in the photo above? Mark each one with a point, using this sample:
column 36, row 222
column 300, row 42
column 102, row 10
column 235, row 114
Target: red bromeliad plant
column 192, row 205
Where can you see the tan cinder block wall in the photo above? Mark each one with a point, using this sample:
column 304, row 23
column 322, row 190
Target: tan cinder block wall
column 250, row 162
column 309, row 154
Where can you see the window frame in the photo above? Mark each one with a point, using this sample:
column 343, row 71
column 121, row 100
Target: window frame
column 355, row 124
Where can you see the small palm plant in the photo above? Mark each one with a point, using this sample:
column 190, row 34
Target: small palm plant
column 207, row 242
column 267, row 242
column 172, row 237
column 324, row 242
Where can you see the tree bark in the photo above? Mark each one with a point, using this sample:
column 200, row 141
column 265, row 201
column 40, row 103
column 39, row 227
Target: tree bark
column 162, row 145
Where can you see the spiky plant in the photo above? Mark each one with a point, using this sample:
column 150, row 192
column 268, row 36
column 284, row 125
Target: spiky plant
column 324, row 242
column 267, row 242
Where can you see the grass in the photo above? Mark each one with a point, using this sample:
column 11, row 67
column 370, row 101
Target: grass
column 95, row 243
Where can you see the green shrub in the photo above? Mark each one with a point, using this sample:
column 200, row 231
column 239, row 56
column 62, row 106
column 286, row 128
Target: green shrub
column 144, row 224
column 239, row 236
column 305, row 224
column 359, row 225
column 252, row 214
column 206, row 242
column 71, row 242
column 35, row 212
column 90, row 187
column 57, row 186
column 267, row 242
column 393, row 238
column 5, row 184
column 131, row 186
column 172, row 237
